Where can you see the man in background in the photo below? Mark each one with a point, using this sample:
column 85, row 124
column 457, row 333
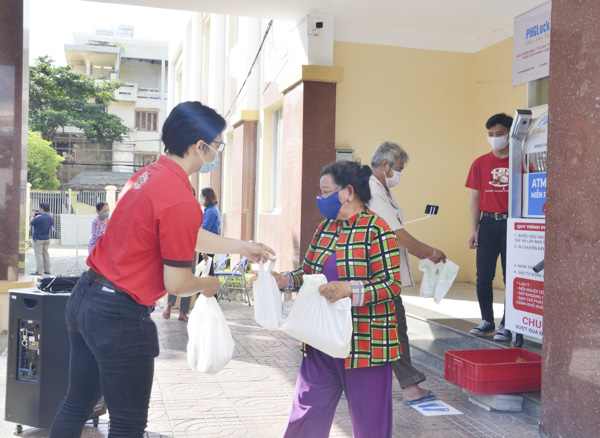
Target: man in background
column 488, row 181
column 41, row 224
column 388, row 161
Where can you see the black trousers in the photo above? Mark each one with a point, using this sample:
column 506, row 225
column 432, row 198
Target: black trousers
column 492, row 243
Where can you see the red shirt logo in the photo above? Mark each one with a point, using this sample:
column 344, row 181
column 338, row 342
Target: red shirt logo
column 140, row 181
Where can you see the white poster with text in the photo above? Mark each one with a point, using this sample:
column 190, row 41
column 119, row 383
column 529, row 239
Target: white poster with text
column 524, row 287
column 531, row 49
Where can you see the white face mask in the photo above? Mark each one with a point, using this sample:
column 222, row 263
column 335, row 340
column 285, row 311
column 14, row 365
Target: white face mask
column 202, row 202
column 394, row 180
column 498, row 143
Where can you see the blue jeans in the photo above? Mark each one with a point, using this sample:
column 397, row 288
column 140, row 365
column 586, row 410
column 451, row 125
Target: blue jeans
column 492, row 243
column 113, row 345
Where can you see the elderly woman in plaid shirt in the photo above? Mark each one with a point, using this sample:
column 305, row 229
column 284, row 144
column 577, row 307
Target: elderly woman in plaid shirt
column 358, row 253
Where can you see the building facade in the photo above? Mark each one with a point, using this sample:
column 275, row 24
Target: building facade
column 295, row 94
column 277, row 90
column 142, row 67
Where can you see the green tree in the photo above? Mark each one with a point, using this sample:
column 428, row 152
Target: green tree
column 42, row 163
column 59, row 97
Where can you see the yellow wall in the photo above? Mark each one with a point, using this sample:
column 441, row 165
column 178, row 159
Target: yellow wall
column 435, row 105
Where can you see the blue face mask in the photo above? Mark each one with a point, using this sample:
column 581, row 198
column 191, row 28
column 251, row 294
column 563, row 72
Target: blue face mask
column 104, row 214
column 207, row 167
column 329, row 206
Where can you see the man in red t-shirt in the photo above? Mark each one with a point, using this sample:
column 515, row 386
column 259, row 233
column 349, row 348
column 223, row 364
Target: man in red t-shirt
column 488, row 181
column 146, row 251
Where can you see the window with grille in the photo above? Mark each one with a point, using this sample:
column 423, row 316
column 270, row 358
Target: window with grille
column 146, row 120
column 141, row 160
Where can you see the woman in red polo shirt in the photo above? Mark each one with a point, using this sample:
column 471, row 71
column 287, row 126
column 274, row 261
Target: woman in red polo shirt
column 147, row 250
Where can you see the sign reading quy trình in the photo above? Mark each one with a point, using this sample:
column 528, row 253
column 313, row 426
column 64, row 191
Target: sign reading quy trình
column 525, row 287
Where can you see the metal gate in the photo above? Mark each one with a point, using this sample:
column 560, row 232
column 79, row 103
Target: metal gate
column 66, row 202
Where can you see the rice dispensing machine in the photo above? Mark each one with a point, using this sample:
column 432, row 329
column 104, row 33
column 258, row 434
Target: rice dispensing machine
column 526, row 225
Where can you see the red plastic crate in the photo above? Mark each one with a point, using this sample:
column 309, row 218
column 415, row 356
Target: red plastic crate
column 494, row 371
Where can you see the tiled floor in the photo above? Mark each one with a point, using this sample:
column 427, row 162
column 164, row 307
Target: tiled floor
column 251, row 396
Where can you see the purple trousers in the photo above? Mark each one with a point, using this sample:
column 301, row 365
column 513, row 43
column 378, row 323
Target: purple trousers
column 319, row 386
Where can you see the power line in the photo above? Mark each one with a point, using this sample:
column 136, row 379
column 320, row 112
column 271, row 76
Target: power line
column 104, row 164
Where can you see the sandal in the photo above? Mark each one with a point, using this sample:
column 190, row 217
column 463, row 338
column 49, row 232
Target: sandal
column 167, row 313
column 183, row 317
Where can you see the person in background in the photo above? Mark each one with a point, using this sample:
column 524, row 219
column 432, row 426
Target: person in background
column 184, row 302
column 488, row 181
column 99, row 224
column 358, row 254
column 42, row 223
column 212, row 219
column 211, row 222
column 147, row 251
column 388, row 161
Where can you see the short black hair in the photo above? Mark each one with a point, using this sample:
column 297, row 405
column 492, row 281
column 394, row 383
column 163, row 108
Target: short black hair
column 45, row 206
column 351, row 173
column 100, row 205
column 499, row 119
column 210, row 196
column 188, row 123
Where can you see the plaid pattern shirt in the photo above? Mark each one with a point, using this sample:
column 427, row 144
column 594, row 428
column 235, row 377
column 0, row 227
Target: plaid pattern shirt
column 368, row 257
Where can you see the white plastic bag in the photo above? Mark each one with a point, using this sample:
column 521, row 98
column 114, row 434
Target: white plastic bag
column 268, row 304
column 437, row 278
column 203, row 268
column 320, row 323
column 210, row 345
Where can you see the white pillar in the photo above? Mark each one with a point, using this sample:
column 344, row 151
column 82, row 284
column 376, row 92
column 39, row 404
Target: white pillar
column 250, row 30
column 111, row 196
column 216, row 77
column 197, row 55
column 162, row 80
column 88, row 66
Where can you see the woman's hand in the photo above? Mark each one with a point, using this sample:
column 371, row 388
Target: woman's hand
column 280, row 279
column 336, row 290
column 255, row 252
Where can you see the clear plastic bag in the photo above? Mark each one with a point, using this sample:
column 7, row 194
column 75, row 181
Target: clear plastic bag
column 210, row 345
column 203, row 268
column 437, row 278
column 268, row 304
column 320, row 323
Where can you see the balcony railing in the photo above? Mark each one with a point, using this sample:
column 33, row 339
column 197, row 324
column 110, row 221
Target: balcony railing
column 131, row 92
column 128, row 92
column 149, row 93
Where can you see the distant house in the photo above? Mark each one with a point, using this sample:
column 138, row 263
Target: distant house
column 115, row 55
column 97, row 181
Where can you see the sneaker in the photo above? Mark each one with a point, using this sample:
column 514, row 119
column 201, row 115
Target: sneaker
column 483, row 329
column 502, row 334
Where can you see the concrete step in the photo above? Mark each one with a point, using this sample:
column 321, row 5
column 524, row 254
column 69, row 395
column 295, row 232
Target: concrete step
column 430, row 340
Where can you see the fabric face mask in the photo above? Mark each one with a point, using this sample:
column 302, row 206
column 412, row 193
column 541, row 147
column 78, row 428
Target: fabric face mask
column 202, row 202
column 329, row 206
column 498, row 143
column 104, row 214
column 394, row 180
column 207, row 167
